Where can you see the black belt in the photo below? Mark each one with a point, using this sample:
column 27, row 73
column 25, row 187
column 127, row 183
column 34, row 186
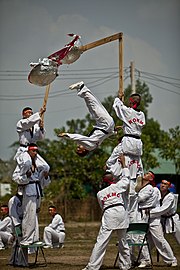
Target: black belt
column 169, row 216
column 62, row 231
column 24, row 145
column 164, row 223
column 37, row 184
column 131, row 135
column 94, row 129
column 112, row 205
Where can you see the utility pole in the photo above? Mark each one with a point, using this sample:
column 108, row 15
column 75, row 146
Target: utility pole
column 132, row 78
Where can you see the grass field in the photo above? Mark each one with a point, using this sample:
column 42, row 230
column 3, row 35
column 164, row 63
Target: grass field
column 80, row 239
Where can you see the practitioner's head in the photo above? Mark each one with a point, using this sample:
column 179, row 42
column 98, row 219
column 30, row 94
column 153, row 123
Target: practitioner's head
column 165, row 185
column 134, row 101
column 107, row 180
column 52, row 210
column 149, row 177
column 4, row 210
column 81, row 151
column 27, row 112
column 33, row 150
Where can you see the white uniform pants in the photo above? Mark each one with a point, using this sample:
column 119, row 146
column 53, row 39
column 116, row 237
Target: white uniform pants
column 99, row 249
column 97, row 110
column 53, row 238
column 17, row 258
column 30, row 229
column 5, row 238
column 156, row 238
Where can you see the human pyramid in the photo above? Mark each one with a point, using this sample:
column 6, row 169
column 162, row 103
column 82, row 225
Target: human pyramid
column 127, row 195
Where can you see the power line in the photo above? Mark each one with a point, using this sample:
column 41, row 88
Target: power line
column 96, row 81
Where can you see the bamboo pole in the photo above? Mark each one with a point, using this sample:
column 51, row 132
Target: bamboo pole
column 100, row 42
column 121, row 64
column 132, row 78
column 45, row 99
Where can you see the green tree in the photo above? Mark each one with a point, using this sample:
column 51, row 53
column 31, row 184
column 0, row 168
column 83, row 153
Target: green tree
column 74, row 177
column 170, row 147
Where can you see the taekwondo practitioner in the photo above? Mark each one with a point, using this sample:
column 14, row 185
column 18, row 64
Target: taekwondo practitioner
column 6, row 232
column 30, row 129
column 113, row 201
column 167, row 211
column 148, row 197
column 32, row 183
column 130, row 144
column 54, row 233
column 103, row 128
column 16, row 214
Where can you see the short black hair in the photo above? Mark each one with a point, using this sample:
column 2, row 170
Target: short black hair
column 26, row 109
column 52, row 206
column 135, row 95
column 33, row 144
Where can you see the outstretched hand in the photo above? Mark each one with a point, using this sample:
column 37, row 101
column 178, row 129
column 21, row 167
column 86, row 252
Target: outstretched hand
column 121, row 96
column 41, row 124
column 42, row 111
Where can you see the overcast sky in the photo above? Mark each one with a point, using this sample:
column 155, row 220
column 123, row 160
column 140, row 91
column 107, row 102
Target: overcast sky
column 31, row 29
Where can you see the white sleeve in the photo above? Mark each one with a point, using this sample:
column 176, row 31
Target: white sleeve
column 5, row 223
column 27, row 123
column 162, row 210
column 121, row 110
column 57, row 220
column 123, row 183
column 13, row 212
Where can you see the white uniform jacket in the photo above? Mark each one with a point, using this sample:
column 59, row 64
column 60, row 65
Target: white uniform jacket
column 35, row 185
column 113, row 201
column 133, row 122
column 6, row 225
column 57, row 223
column 167, row 212
column 148, row 197
column 23, row 128
column 15, row 210
column 29, row 132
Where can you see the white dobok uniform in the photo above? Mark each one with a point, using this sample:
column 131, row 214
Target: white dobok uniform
column 32, row 193
column 6, row 231
column 29, row 132
column 54, row 233
column 133, row 122
column 169, row 218
column 149, row 198
column 16, row 214
column 104, row 122
column 113, row 201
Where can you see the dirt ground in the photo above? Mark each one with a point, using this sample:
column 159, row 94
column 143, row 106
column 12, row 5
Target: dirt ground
column 80, row 239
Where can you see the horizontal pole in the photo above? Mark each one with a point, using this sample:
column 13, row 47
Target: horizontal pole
column 100, row 42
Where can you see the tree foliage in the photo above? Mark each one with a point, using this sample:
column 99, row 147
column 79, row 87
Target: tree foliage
column 170, row 146
column 75, row 177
